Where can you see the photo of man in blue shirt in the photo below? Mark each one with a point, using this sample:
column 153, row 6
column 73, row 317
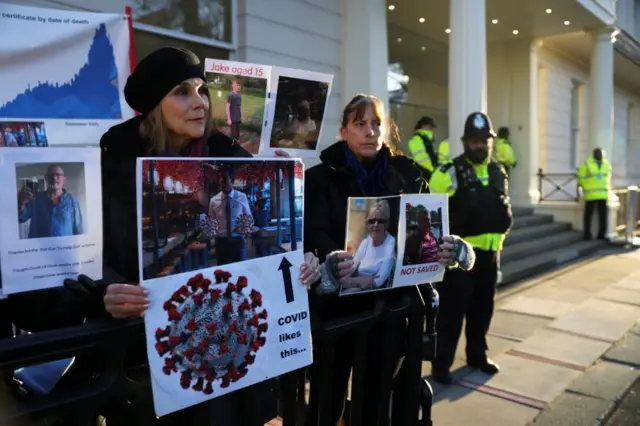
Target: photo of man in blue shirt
column 54, row 212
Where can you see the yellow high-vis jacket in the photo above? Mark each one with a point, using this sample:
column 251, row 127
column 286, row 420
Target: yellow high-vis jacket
column 595, row 179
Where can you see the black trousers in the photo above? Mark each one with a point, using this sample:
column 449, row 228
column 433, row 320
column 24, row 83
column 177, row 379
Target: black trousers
column 589, row 207
column 234, row 131
column 466, row 296
column 378, row 354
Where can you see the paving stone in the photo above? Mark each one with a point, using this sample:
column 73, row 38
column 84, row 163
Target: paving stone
column 621, row 295
column 551, row 291
column 533, row 379
column 563, row 347
column 516, row 325
column 605, row 380
column 629, row 283
column 460, row 406
column 538, row 307
column 496, row 345
column 599, row 319
column 574, row 410
column 627, row 351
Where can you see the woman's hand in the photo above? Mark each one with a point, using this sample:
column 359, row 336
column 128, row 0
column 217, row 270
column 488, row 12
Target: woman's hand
column 446, row 254
column 281, row 153
column 309, row 270
column 346, row 267
column 126, row 300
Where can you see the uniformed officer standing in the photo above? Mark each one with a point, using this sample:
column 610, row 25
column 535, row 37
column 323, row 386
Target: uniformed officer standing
column 443, row 151
column 504, row 151
column 480, row 212
column 594, row 177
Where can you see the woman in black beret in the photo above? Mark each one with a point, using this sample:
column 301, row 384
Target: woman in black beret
column 168, row 89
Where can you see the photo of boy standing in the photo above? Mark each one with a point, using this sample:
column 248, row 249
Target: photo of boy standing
column 234, row 114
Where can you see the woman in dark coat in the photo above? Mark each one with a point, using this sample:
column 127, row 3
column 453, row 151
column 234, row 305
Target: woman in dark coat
column 360, row 165
column 169, row 89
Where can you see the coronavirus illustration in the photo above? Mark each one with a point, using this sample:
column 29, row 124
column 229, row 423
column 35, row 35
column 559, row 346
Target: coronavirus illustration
column 214, row 331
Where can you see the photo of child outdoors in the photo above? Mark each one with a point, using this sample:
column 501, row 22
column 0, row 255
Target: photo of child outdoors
column 238, row 107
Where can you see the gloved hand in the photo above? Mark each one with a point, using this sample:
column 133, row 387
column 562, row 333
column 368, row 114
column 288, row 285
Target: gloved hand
column 88, row 294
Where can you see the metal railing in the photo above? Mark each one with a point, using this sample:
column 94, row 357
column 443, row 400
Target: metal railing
column 627, row 220
column 104, row 373
column 558, row 186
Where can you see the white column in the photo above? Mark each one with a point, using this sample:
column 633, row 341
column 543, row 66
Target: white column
column 365, row 58
column 467, row 66
column 601, row 93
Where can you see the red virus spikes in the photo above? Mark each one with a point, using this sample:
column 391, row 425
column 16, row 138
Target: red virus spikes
column 211, row 327
column 191, row 325
column 256, row 298
column 199, row 313
column 199, row 385
column 231, row 288
column 242, row 283
column 162, row 332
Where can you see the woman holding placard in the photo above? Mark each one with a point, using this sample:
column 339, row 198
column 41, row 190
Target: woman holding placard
column 168, row 88
column 359, row 165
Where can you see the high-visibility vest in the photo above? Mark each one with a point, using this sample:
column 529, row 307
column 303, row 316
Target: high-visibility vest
column 595, row 179
column 419, row 150
column 443, row 152
column 504, row 152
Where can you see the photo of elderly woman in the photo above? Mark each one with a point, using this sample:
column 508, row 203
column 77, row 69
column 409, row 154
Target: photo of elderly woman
column 424, row 230
column 372, row 229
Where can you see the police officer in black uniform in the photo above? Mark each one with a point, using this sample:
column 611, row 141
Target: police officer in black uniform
column 480, row 212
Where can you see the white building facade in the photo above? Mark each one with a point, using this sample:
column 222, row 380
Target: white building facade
column 563, row 75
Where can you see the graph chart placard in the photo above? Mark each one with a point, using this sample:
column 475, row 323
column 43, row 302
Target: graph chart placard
column 64, row 73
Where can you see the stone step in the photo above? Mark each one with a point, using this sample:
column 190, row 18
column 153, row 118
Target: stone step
column 536, row 246
column 522, row 211
column 529, row 233
column 531, row 220
column 547, row 260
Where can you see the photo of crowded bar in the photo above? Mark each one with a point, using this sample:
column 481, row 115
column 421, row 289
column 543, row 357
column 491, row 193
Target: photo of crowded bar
column 199, row 213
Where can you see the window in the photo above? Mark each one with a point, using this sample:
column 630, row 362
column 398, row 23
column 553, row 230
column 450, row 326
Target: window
column 208, row 20
column 575, row 126
column 145, row 43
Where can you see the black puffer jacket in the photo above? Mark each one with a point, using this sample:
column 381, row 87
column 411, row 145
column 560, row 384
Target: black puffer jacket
column 121, row 147
column 328, row 187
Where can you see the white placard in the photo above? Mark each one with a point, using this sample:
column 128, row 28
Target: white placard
column 394, row 241
column 45, row 242
column 63, row 75
column 240, row 100
column 219, row 322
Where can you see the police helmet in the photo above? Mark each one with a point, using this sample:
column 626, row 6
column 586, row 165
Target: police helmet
column 478, row 125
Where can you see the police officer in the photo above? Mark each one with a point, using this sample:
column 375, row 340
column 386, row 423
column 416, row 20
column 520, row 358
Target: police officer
column 480, row 212
column 421, row 146
column 594, row 177
column 504, row 151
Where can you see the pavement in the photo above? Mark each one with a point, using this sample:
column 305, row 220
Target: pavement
column 569, row 350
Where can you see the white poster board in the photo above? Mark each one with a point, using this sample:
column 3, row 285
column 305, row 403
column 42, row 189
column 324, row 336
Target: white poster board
column 44, row 241
column 219, row 322
column 394, row 241
column 279, row 108
column 63, row 75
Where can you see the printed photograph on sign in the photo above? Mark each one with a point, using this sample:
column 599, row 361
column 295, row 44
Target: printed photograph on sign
column 372, row 240
column 424, row 220
column 75, row 82
column 221, row 329
column 239, row 100
column 197, row 213
column 15, row 134
column 298, row 114
column 52, row 223
column 51, row 199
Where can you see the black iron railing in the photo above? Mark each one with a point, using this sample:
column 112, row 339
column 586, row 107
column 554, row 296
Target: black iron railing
column 558, row 186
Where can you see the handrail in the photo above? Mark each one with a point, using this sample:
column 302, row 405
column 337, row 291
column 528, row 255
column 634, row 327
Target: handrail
column 560, row 188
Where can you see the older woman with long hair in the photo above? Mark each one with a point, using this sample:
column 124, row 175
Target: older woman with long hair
column 168, row 88
column 363, row 163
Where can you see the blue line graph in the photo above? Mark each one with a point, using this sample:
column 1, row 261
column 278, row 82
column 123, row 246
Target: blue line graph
column 91, row 94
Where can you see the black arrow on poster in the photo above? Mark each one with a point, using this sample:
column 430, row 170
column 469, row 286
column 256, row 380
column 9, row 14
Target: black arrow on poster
column 285, row 267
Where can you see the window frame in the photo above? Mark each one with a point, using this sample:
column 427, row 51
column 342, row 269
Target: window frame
column 191, row 38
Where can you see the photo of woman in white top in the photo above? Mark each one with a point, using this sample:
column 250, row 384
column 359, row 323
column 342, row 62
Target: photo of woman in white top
column 375, row 256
